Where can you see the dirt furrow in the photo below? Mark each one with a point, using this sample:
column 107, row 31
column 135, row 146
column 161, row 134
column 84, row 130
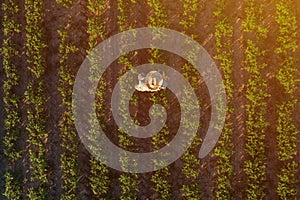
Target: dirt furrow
column 239, row 101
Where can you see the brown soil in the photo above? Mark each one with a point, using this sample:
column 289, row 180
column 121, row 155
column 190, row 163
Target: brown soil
column 297, row 92
column 2, row 128
column 2, row 115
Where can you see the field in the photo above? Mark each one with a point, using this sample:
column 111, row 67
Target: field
column 255, row 45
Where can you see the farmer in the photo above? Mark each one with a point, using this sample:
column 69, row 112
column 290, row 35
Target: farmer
column 152, row 82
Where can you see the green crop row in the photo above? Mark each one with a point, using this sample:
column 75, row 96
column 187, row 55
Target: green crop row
column 191, row 162
column 286, row 188
column 128, row 181
column 255, row 166
column 69, row 140
column 287, row 45
column 224, row 149
column 36, row 116
column 36, row 98
column 189, row 14
column 255, row 124
column 13, row 188
column 287, row 22
column 286, row 75
column 9, row 52
column 95, row 22
column 160, row 177
column 99, row 179
column 12, row 121
column 124, row 8
column 158, row 18
column 157, row 15
column 253, row 15
column 287, row 138
column 35, row 44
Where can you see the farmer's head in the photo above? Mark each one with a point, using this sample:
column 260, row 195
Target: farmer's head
column 154, row 80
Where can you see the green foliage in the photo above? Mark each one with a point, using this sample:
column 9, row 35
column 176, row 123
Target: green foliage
column 192, row 191
column 99, row 180
column 10, row 22
column 253, row 18
column 12, row 122
column 12, row 187
column 157, row 16
column 286, row 20
column 10, row 54
column 35, row 44
column 36, row 116
column 37, row 194
column 287, row 138
column 224, row 152
column 122, row 17
column 160, row 177
column 190, row 158
column 125, row 10
column 129, row 186
column 286, row 75
column 189, row 15
column 287, row 44
column 95, row 23
column 65, row 3
column 224, row 149
column 256, row 108
column 255, row 171
column 161, row 184
column 69, row 157
column 11, row 100
column 36, row 98
column 287, row 181
column 128, row 182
